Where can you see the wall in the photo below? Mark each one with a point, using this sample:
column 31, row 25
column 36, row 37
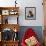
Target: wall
column 24, row 3
column 39, row 13
column 37, row 29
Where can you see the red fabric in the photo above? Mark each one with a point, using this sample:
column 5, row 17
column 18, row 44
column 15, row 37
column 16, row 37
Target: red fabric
column 28, row 33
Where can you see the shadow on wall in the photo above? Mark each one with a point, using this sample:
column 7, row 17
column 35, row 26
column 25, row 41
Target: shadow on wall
column 37, row 29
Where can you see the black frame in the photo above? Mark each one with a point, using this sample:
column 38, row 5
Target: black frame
column 27, row 8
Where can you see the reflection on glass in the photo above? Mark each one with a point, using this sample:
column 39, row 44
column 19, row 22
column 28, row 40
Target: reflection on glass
column 0, row 19
column 9, row 34
column 0, row 36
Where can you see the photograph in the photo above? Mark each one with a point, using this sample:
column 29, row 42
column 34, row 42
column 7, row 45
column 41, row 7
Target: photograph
column 30, row 13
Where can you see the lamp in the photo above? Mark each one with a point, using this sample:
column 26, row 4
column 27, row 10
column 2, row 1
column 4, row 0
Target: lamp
column 15, row 3
column 15, row 34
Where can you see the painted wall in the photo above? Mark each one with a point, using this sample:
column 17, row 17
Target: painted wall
column 22, row 4
column 37, row 29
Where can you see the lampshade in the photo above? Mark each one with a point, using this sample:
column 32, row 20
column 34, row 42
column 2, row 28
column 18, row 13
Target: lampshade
column 15, row 30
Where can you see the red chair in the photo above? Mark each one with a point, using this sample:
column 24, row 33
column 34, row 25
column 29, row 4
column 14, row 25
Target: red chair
column 29, row 33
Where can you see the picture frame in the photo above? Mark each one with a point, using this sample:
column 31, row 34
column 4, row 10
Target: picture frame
column 13, row 12
column 30, row 13
column 5, row 12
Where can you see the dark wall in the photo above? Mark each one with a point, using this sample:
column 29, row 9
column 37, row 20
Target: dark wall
column 37, row 29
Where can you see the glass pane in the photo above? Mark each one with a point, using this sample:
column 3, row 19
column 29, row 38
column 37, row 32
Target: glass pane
column 0, row 36
column 8, row 34
column 0, row 19
column 10, row 19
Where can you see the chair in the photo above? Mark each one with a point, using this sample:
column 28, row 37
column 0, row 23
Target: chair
column 28, row 34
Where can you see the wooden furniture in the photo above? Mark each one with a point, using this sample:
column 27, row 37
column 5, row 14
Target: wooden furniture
column 10, row 43
column 6, row 12
column 7, row 23
column 0, row 43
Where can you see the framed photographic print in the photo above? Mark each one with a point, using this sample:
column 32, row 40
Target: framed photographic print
column 5, row 12
column 30, row 13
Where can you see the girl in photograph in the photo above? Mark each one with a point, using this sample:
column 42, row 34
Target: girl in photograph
column 30, row 14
